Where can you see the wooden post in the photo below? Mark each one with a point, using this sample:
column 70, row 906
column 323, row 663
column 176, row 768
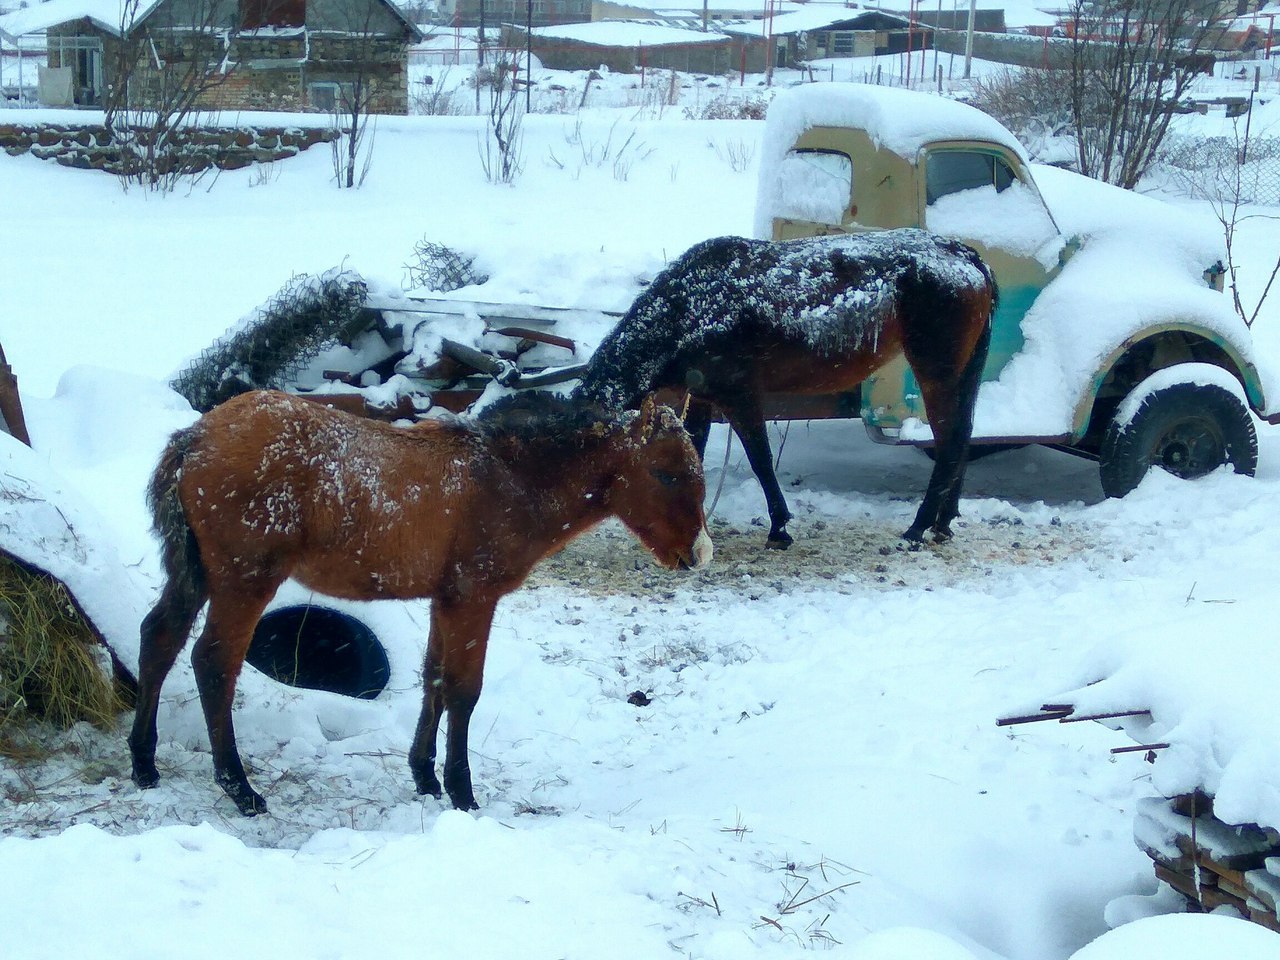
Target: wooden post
column 11, row 419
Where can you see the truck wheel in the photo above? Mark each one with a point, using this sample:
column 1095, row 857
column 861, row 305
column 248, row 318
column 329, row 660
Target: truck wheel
column 1188, row 429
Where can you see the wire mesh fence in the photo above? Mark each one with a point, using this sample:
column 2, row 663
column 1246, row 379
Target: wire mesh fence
column 1226, row 168
column 270, row 346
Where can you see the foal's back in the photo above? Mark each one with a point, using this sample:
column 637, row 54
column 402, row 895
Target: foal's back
column 274, row 480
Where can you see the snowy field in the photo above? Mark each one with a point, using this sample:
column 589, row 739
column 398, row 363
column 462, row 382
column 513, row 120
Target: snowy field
column 819, row 767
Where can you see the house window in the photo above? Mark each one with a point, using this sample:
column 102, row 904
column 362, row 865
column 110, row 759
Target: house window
column 951, row 171
column 255, row 14
column 841, row 43
column 325, row 96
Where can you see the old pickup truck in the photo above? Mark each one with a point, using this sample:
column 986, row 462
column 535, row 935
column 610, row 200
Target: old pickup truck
column 1113, row 339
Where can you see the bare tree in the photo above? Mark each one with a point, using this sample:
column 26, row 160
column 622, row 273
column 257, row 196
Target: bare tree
column 165, row 68
column 1131, row 62
column 501, row 152
column 1237, row 176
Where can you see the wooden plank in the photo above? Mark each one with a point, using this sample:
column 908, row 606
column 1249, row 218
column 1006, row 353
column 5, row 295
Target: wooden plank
column 1211, row 898
column 1266, row 918
column 1180, row 882
column 496, row 314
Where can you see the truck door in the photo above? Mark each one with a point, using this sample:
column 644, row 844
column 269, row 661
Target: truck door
column 975, row 194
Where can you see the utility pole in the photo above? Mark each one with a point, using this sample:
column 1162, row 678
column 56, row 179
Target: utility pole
column 968, row 38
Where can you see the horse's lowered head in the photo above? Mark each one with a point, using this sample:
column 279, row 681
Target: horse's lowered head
column 658, row 490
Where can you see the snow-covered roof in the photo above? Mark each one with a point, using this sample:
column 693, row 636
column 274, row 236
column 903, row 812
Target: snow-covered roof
column 107, row 14
column 899, row 120
column 627, row 33
column 717, row 9
column 812, row 17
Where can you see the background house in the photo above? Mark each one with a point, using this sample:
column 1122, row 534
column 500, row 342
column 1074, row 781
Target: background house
column 264, row 54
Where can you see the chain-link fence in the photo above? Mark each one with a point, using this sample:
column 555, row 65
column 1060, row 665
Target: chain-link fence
column 1225, row 168
column 270, row 346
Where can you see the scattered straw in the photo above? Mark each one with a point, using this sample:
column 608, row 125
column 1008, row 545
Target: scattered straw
column 51, row 667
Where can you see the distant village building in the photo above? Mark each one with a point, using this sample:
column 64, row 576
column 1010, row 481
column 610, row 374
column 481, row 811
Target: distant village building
column 269, row 54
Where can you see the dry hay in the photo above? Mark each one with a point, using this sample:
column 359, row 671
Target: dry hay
column 52, row 668
column 839, row 554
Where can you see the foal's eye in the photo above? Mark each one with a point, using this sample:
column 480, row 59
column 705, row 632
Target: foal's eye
column 664, row 478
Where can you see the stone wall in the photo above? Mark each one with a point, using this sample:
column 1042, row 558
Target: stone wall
column 89, row 146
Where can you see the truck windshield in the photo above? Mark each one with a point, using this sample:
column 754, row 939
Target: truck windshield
column 814, row 185
column 951, row 171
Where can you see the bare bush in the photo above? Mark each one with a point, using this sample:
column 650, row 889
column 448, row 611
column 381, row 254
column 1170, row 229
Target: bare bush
column 729, row 107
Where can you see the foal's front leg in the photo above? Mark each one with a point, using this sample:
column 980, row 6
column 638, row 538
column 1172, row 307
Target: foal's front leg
column 452, row 677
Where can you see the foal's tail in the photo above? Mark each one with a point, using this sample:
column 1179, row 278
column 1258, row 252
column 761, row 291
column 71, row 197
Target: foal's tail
column 180, row 554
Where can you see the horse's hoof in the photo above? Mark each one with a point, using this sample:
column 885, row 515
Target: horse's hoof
column 247, row 800
column 914, row 535
column 146, row 779
column 464, row 801
column 425, row 782
column 942, row 534
column 779, row 541
column 430, row 790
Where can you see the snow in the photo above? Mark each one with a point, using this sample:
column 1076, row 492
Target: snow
column 623, row 33
column 822, row 721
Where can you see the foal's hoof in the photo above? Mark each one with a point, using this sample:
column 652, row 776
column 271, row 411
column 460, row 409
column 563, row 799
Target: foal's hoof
column 914, row 535
column 941, row 534
column 146, row 779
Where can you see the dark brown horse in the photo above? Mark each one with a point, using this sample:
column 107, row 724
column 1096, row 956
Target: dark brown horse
column 733, row 319
column 268, row 486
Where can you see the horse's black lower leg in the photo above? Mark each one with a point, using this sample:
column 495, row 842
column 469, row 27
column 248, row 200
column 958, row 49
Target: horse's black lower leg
column 164, row 633
column 698, row 422
column 422, row 755
column 460, row 701
column 750, row 428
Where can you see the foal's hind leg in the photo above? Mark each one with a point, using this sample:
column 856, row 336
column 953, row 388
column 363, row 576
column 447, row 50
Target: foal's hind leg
column 217, row 657
column 164, row 632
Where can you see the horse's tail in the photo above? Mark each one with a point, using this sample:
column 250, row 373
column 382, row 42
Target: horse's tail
column 180, row 553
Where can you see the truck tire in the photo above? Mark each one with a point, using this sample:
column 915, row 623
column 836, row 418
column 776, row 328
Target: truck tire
column 1188, row 429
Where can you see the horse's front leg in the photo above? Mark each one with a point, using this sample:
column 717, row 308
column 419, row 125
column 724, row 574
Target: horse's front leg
column 746, row 416
column 459, row 637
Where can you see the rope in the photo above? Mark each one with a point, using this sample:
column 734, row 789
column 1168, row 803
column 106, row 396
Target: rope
column 728, row 443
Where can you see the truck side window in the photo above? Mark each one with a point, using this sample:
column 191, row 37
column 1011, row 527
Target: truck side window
column 814, row 185
column 951, row 171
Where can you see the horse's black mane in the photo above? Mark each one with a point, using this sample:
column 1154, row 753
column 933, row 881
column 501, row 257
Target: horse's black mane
column 827, row 292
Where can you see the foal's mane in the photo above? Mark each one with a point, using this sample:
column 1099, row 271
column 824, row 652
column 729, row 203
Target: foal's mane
column 536, row 417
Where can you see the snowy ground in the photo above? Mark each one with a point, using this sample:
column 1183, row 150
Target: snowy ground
column 819, row 766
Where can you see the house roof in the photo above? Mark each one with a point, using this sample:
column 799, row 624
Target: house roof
column 627, row 33
column 105, row 14
column 823, row 17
